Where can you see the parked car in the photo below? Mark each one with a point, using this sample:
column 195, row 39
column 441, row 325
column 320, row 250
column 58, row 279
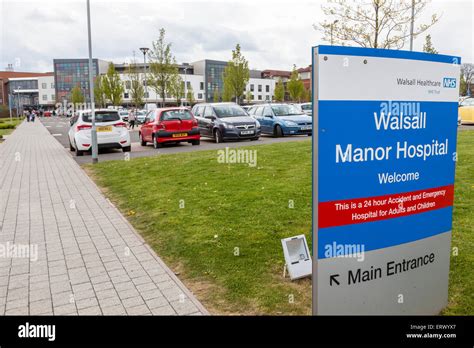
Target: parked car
column 307, row 108
column 169, row 125
column 112, row 132
column 466, row 111
column 47, row 113
column 141, row 114
column 246, row 107
column 225, row 121
column 124, row 115
column 282, row 119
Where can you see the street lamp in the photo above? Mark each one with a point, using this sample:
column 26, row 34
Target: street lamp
column 18, row 101
column 95, row 150
column 145, row 51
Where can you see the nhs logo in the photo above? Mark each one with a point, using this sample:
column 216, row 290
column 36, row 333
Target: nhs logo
column 449, row 82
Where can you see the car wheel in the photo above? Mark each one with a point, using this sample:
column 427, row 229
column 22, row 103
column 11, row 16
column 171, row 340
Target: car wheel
column 196, row 142
column 156, row 144
column 218, row 136
column 277, row 131
column 127, row 149
column 79, row 153
column 310, row 134
column 142, row 142
column 71, row 148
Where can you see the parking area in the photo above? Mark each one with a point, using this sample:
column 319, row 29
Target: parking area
column 59, row 126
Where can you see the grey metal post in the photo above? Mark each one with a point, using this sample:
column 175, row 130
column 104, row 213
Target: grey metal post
column 95, row 152
column 412, row 23
column 144, row 51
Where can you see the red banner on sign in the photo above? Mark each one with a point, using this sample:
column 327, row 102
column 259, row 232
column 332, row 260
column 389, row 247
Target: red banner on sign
column 360, row 210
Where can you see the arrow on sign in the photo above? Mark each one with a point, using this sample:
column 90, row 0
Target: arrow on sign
column 333, row 278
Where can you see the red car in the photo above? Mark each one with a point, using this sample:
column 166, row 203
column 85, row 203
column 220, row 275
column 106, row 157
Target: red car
column 47, row 114
column 169, row 125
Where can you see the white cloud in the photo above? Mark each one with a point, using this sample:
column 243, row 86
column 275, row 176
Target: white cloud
column 273, row 34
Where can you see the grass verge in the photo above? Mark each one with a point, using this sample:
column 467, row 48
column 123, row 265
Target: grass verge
column 228, row 206
column 225, row 242
column 7, row 126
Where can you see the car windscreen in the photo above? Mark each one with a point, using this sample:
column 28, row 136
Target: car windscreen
column 285, row 110
column 229, row 111
column 101, row 116
column 176, row 115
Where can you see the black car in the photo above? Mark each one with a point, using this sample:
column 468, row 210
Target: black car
column 225, row 121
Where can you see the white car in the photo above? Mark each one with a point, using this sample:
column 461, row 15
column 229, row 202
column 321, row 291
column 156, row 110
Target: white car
column 307, row 108
column 112, row 132
column 124, row 115
column 141, row 115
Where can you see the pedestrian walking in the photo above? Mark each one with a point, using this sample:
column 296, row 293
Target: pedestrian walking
column 131, row 119
column 27, row 114
column 33, row 115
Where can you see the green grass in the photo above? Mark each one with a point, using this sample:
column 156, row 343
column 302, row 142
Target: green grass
column 461, row 277
column 248, row 208
column 227, row 206
column 7, row 126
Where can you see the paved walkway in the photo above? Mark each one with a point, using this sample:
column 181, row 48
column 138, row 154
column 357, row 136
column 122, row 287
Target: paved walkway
column 65, row 249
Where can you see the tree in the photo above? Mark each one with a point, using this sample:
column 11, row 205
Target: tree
column 428, row 46
column 295, row 86
column 373, row 23
column 227, row 94
column 236, row 74
column 216, row 96
column 462, row 86
column 137, row 91
column 467, row 73
column 248, row 97
column 190, row 96
column 279, row 91
column 76, row 96
column 99, row 94
column 176, row 88
column 163, row 67
column 113, row 87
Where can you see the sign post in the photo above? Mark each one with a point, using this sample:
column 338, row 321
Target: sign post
column 384, row 156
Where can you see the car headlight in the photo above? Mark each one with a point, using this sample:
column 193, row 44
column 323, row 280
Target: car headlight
column 228, row 125
column 291, row 123
column 257, row 124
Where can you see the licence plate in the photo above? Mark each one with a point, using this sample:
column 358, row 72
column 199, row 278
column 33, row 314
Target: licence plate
column 246, row 132
column 306, row 127
column 104, row 129
column 177, row 135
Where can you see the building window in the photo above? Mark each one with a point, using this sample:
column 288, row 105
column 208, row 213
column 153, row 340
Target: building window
column 253, row 96
column 128, row 85
column 147, row 95
column 45, row 97
column 267, row 97
column 267, row 88
column 251, row 88
column 200, row 95
column 44, row 85
column 53, row 97
column 259, row 97
column 52, row 85
column 201, row 86
column 125, row 95
column 259, row 88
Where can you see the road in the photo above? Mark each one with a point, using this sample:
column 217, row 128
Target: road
column 59, row 127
